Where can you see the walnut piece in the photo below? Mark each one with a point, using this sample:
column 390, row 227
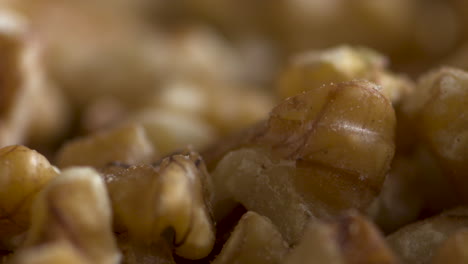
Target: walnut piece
column 72, row 220
column 171, row 197
column 319, row 153
column 23, row 173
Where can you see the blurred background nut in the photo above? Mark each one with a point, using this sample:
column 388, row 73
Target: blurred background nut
column 334, row 143
column 351, row 238
column 128, row 144
column 168, row 130
column 401, row 200
column 438, row 107
column 416, row 187
column 152, row 203
column 254, row 240
column 453, row 250
column 343, row 63
column 23, row 173
column 73, row 210
column 25, row 90
column 417, row 242
column 224, row 106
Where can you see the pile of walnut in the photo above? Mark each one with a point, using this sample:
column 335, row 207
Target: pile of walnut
column 167, row 146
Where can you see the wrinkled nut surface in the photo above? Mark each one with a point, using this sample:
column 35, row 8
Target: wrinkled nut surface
column 254, row 240
column 439, row 108
column 453, row 250
column 73, row 209
column 417, row 242
column 334, row 143
column 23, row 173
column 314, row 69
column 149, row 201
column 349, row 239
column 127, row 144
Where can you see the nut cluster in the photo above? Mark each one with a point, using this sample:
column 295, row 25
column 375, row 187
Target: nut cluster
column 233, row 131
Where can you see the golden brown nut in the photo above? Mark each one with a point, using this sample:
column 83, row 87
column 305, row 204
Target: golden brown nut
column 349, row 239
column 438, row 107
column 254, row 240
column 128, row 144
column 320, row 153
column 314, row 69
column 453, row 250
column 23, row 173
column 72, row 211
column 416, row 243
column 170, row 197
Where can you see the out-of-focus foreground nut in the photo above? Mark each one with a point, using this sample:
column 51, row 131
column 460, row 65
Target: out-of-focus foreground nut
column 23, row 173
column 149, row 201
column 416, row 243
column 319, row 153
column 72, row 212
column 254, row 240
column 56, row 253
column 453, row 250
column 135, row 252
column 439, row 108
column 310, row 70
column 351, row 239
column 127, row 144
column 25, row 91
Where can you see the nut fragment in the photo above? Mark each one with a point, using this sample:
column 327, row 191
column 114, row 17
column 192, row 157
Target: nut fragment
column 72, row 211
column 23, row 173
column 349, row 239
column 438, row 107
column 254, row 240
column 127, row 144
column 149, row 201
column 344, row 63
column 320, row 152
column 416, row 243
